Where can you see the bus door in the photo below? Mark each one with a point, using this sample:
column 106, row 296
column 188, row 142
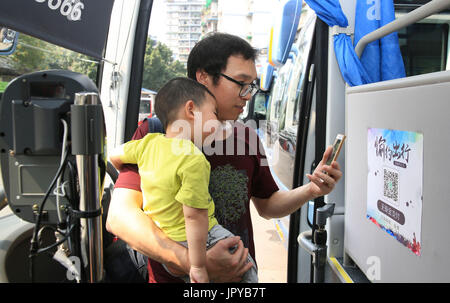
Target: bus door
column 332, row 114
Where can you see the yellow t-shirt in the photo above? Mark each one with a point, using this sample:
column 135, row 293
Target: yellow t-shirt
column 173, row 172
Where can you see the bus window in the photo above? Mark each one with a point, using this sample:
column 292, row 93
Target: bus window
column 285, row 101
column 260, row 105
column 33, row 54
column 295, row 90
column 279, row 97
column 424, row 47
column 145, row 109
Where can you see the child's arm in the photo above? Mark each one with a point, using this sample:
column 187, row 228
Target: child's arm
column 196, row 234
column 114, row 157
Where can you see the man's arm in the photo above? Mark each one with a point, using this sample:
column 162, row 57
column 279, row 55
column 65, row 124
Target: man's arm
column 283, row 203
column 127, row 221
column 114, row 157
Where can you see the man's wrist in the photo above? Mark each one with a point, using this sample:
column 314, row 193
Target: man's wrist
column 182, row 266
column 186, row 264
column 309, row 192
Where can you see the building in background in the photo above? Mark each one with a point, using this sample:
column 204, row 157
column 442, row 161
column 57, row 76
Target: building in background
column 146, row 106
column 183, row 26
column 188, row 20
column 248, row 19
column 209, row 17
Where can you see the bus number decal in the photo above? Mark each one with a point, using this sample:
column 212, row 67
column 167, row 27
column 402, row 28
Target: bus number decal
column 68, row 8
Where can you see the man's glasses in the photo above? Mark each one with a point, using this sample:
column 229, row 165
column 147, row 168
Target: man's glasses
column 245, row 87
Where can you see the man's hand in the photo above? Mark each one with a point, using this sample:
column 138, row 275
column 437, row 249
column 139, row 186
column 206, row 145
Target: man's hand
column 224, row 266
column 322, row 184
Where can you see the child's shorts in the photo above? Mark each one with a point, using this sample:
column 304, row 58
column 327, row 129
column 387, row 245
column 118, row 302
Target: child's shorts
column 215, row 234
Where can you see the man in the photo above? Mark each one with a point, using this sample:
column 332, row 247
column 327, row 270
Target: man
column 225, row 64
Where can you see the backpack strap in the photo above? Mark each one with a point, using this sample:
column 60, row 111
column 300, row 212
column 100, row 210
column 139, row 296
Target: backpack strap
column 155, row 125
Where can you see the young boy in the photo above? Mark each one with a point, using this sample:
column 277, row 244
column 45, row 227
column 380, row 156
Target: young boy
column 175, row 173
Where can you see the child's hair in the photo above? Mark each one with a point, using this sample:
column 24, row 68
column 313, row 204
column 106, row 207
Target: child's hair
column 175, row 93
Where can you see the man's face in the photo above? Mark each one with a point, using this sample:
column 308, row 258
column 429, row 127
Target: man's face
column 229, row 103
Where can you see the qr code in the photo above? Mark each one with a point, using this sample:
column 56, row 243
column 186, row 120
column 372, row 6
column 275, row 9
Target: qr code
column 391, row 184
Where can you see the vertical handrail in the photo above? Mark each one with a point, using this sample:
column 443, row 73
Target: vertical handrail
column 87, row 147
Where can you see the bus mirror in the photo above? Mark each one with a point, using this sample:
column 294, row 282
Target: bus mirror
column 8, row 41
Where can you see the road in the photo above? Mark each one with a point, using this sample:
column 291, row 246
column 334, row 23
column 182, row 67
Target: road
column 271, row 255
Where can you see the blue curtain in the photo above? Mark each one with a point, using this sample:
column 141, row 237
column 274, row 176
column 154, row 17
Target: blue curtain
column 382, row 58
column 378, row 55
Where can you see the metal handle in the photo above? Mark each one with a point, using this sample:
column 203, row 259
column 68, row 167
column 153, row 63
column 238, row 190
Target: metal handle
column 318, row 252
column 324, row 213
column 305, row 241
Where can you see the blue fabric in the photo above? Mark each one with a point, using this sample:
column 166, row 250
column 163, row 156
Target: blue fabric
column 380, row 60
column 392, row 65
column 367, row 20
column 351, row 68
column 329, row 11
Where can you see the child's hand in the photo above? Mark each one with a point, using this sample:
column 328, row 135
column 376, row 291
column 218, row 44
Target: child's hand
column 198, row 275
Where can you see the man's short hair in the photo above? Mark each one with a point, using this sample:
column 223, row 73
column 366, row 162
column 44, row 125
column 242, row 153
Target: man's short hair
column 175, row 93
column 212, row 52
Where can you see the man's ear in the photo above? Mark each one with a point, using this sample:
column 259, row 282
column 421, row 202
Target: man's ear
column 189, row 108
column 202, row 77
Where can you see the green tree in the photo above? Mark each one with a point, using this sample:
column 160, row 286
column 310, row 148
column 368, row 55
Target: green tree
column 30, row 54
column 178, row 68
column 84, row 65
column 159, row 66
column 33, row 54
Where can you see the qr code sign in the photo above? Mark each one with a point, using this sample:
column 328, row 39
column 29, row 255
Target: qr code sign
column 391, row 184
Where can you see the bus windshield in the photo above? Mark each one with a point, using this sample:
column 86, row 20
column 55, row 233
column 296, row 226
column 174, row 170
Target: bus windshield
column 33, row 54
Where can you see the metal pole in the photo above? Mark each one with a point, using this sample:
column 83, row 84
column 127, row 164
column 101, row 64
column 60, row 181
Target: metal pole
column 318, row 247
column 87, row 145
column 91, row 228
column 318, row 252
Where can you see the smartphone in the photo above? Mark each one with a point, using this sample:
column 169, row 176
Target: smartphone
column 337, row 145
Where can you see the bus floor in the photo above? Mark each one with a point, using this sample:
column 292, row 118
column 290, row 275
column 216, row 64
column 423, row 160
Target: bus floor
column 271, row 255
